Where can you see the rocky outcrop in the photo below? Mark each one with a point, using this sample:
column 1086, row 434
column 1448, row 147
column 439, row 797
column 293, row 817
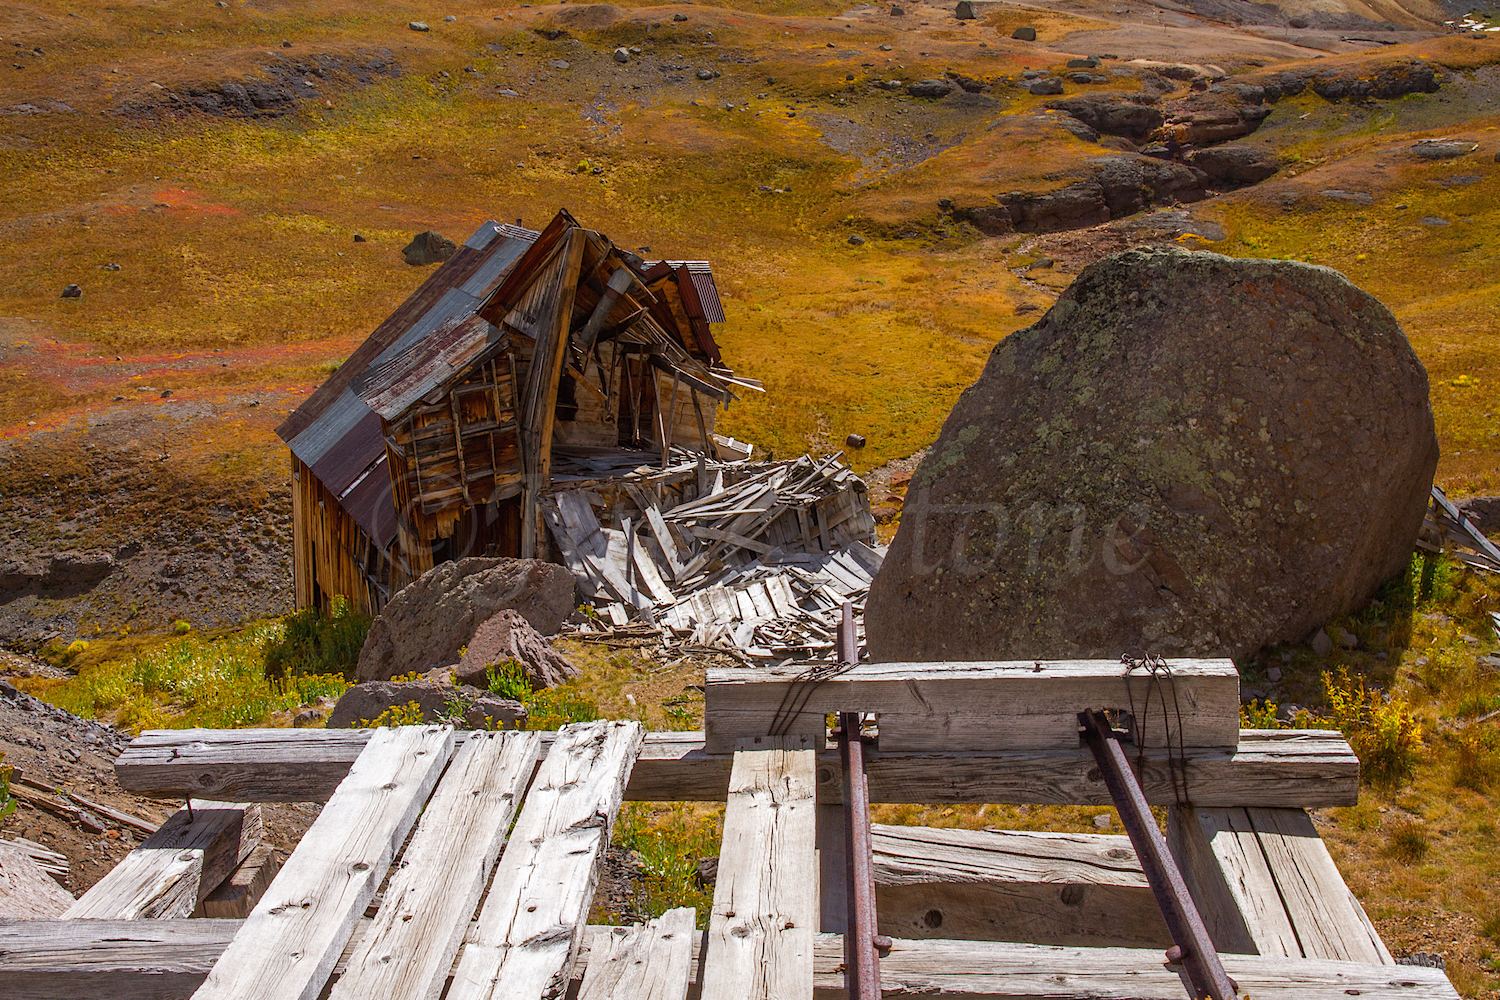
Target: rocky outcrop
column 61, row 569
column 1235, row 163
column 508, row 636
column 1202, row 119
column 1120, row 185
column 1188, row 454
column 1128, row 115
column 283, row 83
column 1396, row 77
column 427, row 621
column 468, row 707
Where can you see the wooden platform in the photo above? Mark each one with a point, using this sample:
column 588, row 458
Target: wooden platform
column 488, row 846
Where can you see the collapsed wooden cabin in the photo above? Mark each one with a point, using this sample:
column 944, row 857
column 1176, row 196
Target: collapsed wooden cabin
column 526, row 350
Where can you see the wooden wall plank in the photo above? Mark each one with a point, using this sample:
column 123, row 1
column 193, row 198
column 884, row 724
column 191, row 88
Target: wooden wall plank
column 531, row 923
column 650, row 962
column 408, row 952
column 994, row 705
column 237, row 895
column 765, row 909
column 1271, row 767
column 289, row 943
column 172, row 870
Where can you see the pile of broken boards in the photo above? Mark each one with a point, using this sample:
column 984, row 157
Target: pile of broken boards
column 750, row 558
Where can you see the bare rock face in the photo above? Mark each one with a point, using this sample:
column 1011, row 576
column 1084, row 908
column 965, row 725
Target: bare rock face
column 1235, row 163
column 1130, row 115
column 509, row 636
column 428, row 248
column 1188, row 454
column 467, row 707
column 429, row 619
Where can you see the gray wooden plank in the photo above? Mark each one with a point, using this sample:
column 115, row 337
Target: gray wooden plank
column 176, row 867
column 110, row 959
column 410, row 949
column 1270, row 767
column 997, row 970
column 765, row 909
column 985, row 705
column 653, row 961
column 288, row 945
column 531, row 923
column 28, row 892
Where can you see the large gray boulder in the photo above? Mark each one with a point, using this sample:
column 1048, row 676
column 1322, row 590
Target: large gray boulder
column 429, row 619
column 1189, row 454
column 1129, row 115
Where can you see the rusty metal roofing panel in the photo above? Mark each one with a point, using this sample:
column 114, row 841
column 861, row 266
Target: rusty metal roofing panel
column 371, row 503
column 338, row 419
column 356, row 445
column 428, row 364
column 703, row 283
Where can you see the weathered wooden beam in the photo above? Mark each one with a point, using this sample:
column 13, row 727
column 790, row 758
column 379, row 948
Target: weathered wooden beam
column 992, row 705
column 426, row 909
column 237, row 895
column 168, row 959
column 172, row 870
column 1270, row 767
column 109, row 959
column 765, row 909
column 650, row 962
column 533, row 920
column 998, row 970
column 288, row 945
column 1046, row 888
column 28, row 892
column 1266, row 885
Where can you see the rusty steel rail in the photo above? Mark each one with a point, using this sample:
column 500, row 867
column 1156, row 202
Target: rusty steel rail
column 862, row 944
column 1193, row 949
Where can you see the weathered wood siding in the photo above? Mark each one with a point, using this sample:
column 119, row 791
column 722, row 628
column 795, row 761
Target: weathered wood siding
column 332, row 555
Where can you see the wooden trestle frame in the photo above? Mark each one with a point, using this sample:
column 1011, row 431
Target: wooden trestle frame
column 476, row 856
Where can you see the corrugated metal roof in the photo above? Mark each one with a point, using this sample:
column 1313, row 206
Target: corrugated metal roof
column 703, row 281
column 372, row 505
column 393, row 387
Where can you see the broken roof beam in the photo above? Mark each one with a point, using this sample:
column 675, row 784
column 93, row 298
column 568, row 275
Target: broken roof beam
column 1270, row 767
column 984, row 705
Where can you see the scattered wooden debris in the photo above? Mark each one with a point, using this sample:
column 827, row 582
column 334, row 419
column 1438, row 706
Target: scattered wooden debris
column 48, row 860
column 1446, row 529
column 752, row 559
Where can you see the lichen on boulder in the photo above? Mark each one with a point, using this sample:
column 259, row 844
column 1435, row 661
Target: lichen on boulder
column 1189, row 454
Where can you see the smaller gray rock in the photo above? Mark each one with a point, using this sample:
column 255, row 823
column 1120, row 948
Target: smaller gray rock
column 708, row 74
column 1442, row 149
column 1103, row 821
column 1300, row 21
column 1345, row 638
column 856, row 240
column 1032, row 74
column 72, row 292
column 509, row 636
column 1081, row 77
column 560, row 64
column 1046, row 87
column 1273, row 674
column 1482, row 512
column 929, row 88
column 1088, row 63
column 111, row 267
column 965, row 10
column 1025, row 33
column 1321, row 643
column 898, row 11
column 1352, row 197
column 450, row 17
column 307, row 717
column 1432, row 220
column 418, row 26
column 679, row 17
column 428, row 248
column 622, row 55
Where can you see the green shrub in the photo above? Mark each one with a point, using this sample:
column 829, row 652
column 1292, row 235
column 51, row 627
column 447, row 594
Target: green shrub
column 553, row 708
column 508, row 679
column 1381, row 729
column 180, row 627
column 312, row 643
column 409, row 714
column 1262, row 715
